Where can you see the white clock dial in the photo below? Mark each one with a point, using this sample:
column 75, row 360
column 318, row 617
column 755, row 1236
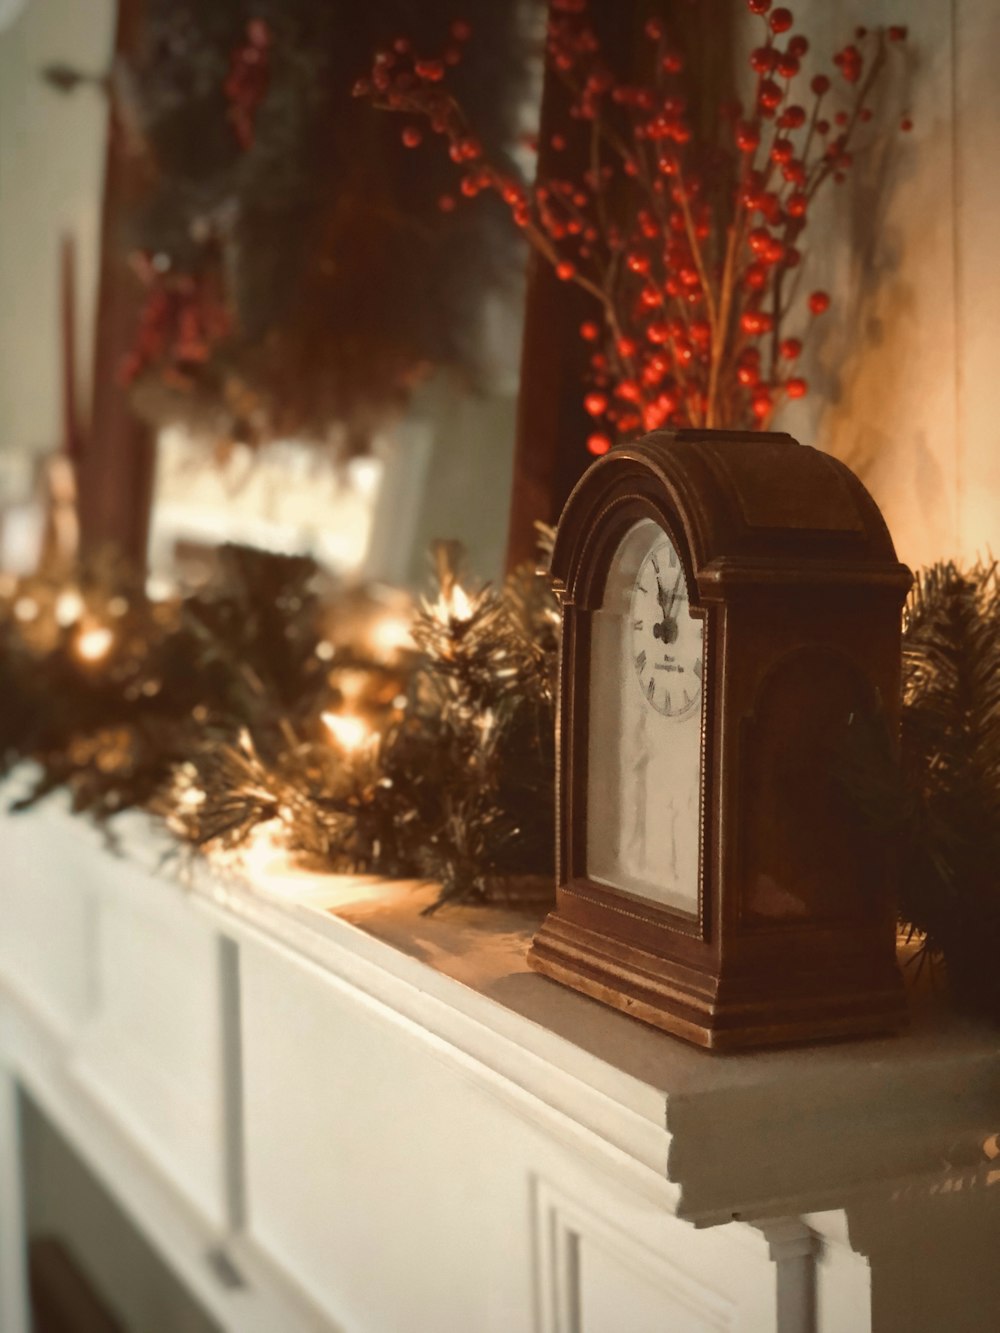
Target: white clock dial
column 644, row 741
column 666, row 638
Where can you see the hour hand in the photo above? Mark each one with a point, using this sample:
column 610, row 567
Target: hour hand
column 666, row 631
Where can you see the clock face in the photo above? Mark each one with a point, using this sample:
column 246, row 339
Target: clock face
column 644, row 746
column 666, row 638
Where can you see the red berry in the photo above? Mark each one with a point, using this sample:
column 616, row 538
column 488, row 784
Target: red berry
column 761, row 404
column 796, row 388
column 798, row 46
column 783, row 150
column 565, row 270
column 637, row 262
column 589, row 331
column 447, row 203
column 431, row 70
column 654, row 29
column 897, row 33
column 781, row 20
column 747, row 375
column 763, row 58
column 596, row 404
column 412, row 136
column 747, row 137
column 819, row 302
column 755, row 278
column 770, row 95
column 906, row 124
column 759, row 239
column 788, row 67
column 797, row 205
column 790, row 348
column 598, row 444
column 626, row 348
column 673, row 62
column 461, row 30
column 758, row 6
column 820, row 85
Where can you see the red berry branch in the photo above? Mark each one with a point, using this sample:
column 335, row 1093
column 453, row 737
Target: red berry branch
column 182, row 317
column 247, row 82
column 691, row 249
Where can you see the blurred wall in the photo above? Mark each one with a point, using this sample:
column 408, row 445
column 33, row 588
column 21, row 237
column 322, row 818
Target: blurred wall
column 51, row 168
column 904, row 366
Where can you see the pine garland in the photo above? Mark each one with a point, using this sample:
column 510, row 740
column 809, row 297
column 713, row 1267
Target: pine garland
column 214, row 711
column 951, row 768
column 210, row 711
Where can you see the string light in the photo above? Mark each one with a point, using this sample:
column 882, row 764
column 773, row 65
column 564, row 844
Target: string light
column 94, row 644
column 390, row 636
column 348, row 730
column 69, row 608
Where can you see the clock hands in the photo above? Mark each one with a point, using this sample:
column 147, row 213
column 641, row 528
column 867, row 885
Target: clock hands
column 666, row 630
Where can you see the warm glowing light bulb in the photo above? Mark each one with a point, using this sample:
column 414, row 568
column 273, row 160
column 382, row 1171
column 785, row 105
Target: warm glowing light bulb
column 459, row 604
column 95, row 643
column 390, row 635
column 69, row 607
column 348, row 731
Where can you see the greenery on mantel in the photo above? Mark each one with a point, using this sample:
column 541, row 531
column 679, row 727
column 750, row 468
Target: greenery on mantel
column 353, row 734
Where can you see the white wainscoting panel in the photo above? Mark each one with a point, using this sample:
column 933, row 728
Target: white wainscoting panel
column 152, row 1049
column 611, row 1260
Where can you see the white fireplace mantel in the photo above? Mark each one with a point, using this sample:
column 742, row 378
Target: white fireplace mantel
column 327, row 1111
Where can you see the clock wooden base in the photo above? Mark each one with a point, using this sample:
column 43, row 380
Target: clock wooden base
column 723, row 1014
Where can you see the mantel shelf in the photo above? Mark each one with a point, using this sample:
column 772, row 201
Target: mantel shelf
column 222, row 1022
column 811, row 1123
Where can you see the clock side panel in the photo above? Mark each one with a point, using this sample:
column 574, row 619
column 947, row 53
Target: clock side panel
column 813, row 675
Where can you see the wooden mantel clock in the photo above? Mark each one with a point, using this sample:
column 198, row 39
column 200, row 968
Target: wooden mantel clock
column 731, row 601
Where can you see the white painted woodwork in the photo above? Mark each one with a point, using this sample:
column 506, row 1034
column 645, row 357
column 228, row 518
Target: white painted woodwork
column 329, row 1112
column 13, row 1250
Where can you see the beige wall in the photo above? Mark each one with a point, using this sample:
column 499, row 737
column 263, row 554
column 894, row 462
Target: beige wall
column 51, row 166
column 905, row 364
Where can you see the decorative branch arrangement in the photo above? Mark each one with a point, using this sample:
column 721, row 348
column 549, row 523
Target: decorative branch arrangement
column 691, row 247
column 297, row 278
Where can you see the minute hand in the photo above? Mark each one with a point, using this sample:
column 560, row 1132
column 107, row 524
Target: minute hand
column 666, row 632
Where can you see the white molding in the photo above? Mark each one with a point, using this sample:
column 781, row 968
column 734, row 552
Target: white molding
column 189, row 1241
column 14, row 1314
column 562, row 1222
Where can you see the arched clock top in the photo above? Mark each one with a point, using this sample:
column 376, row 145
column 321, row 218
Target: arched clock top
column 740, row 507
